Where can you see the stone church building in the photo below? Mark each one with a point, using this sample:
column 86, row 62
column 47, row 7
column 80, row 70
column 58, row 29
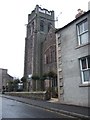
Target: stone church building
column 39, row 38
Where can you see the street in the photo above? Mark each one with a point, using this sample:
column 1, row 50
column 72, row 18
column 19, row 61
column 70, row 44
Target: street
column 0, row 107
column 15, row 109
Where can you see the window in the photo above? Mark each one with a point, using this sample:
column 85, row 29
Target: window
column 32, row 28
column 49, row 26
column 47, row 60
column 85, row 69
column 33, row 25
column 28, row 30
column 41, row 25
column 51, row 56
column 82, row 31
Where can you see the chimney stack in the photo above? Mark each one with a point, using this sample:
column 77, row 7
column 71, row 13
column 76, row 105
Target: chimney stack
column 80, row 12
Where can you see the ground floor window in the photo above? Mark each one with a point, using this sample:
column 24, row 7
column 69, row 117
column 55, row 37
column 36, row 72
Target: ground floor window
column 85, row 69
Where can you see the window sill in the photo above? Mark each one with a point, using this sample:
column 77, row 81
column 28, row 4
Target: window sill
column 84, row 85
column 82, row 45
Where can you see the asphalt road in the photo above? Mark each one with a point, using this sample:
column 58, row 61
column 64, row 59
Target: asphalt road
column 15, row 109
column 0, row 107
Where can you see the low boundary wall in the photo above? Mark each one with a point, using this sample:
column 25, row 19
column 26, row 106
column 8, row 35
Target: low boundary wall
column 42, row 95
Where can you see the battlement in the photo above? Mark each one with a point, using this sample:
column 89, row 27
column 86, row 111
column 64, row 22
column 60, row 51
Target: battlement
column 39, row 10
column 43, row 10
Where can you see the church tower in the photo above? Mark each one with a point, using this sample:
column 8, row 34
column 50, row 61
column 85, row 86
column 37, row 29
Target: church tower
column 39, row 23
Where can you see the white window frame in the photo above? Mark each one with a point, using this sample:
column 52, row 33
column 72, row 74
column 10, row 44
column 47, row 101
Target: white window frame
column 82, row 33
column 82, row 70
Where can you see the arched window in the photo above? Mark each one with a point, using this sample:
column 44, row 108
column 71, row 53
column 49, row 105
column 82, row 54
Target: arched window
column 49, row 26
column 41, row 25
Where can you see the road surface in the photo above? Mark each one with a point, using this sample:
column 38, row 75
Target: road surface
column 15, row 109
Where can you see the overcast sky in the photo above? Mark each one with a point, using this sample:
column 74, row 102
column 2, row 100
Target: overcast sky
column 13, row 17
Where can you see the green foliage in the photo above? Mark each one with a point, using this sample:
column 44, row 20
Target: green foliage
column 35, row 77
column 43, row 77
column 51, row 74
column 23, row 79
column 54, row 91
column 16, row 81
column 10, row 86
column 15, row 84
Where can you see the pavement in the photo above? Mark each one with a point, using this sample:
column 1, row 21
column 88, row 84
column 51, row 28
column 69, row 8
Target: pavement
column 53, row 105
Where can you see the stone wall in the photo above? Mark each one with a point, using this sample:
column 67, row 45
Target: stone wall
column 74, row 92
column 41, row 95
column 49, row 52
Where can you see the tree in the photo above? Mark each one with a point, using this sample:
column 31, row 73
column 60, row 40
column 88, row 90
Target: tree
column 52, row 77
column 44, row 76
column 42, row 79
column 35, row 77
column 15, row 84
column 51, row 74
column 24, row 80
column 10, row 86
column 35, row 82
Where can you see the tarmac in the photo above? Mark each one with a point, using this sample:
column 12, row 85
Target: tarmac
column 53, row 105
